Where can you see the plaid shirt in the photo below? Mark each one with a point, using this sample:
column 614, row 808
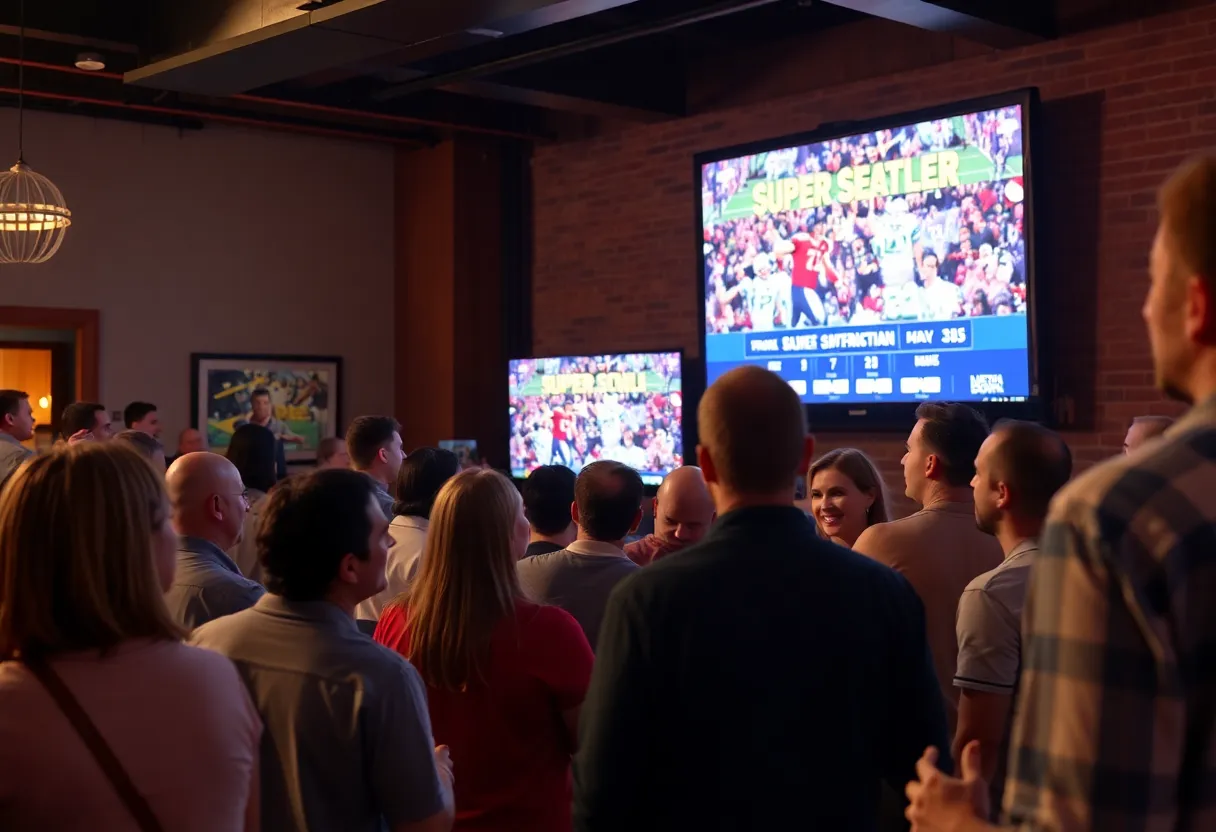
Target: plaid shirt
column 1117, row 726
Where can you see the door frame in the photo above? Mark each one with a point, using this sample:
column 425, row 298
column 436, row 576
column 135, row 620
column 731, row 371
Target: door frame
column 85, row 323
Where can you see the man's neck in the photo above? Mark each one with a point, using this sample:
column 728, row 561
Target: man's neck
column 378, row 476
column 203, row 535
column 582, row 535
column 254, row 420
column 726, row 501
column 1013, row 532
column 941, row 493
column 563, row 540
column 338, row 598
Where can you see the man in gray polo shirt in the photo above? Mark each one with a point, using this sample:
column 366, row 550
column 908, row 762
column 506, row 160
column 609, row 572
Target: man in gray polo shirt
column 348, row 742
column 1020, row 467
column 579, row 578
column 16, row 426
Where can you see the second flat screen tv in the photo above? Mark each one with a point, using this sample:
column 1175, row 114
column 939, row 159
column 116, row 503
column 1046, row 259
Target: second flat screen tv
column 877, row 268
column 574, row 410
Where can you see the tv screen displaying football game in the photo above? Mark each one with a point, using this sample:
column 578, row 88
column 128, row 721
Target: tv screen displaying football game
column 887, row 266
column 575, row 410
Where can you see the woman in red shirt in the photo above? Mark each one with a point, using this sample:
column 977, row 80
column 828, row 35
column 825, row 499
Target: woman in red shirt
column 505, row 677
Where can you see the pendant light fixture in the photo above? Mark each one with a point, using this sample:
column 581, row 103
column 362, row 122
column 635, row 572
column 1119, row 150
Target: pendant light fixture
column 33, row 214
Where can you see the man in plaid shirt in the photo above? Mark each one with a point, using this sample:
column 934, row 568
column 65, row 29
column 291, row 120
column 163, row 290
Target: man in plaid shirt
column 1116, row 723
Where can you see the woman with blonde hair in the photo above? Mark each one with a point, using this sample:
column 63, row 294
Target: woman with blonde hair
column 108, row 721
column 847, row 495
column 505, row 677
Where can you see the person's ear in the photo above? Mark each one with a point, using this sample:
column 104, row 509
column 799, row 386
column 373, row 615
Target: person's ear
column 933, row 466
column 808, row 454
column 574, row 512
column 1002, row 496
column 382, row 455
column 706, row 463
column 1199, row 311
column 348, row 572
column 637, row 521
column 654, row 507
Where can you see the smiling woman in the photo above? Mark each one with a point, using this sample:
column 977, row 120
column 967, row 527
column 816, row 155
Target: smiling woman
column 847, row 495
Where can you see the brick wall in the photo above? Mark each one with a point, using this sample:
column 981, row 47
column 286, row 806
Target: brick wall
column 615, row 261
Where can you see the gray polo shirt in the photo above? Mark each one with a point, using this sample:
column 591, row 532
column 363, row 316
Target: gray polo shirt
column 207, row 584
column 348, row 742
column 382, row 496
column 12, row 454
column 578, row 579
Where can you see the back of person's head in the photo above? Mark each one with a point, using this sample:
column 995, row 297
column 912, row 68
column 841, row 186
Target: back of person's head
column 328, row 448
column 1145, row 429
column 136, row 412
column 953, row 433
column 366, row 436
column 1187, row 205
column 252, row 451
column 85, row 553
column 79, row 416
column 859, row 468
column 753, row 434
column 309, row 524
column 467, row 581
column 419, row 479
column 149, row 447
column 608, row 499
column 1033, row 461
column 548, row 493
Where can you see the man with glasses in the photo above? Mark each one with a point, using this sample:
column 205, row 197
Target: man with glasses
column 209, row 503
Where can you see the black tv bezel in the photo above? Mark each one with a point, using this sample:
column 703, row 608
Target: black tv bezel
column 898, row 416
column 649, row 488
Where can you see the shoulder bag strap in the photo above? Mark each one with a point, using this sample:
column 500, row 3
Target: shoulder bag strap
column 97, row 745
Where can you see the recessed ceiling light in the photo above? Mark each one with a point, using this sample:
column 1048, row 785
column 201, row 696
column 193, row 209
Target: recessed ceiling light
column 485, row 33
column 90, row 62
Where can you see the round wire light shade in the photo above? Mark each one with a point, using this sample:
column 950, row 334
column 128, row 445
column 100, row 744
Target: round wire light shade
column 33, row 216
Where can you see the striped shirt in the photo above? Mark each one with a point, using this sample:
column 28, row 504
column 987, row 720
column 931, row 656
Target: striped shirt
column 1117, row 724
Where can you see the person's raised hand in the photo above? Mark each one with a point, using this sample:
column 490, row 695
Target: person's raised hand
column 80, row 436
column 940, row 803
column 443, row 761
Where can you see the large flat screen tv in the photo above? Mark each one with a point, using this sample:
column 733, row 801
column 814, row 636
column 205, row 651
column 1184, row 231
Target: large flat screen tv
column 876, row 266
column 574, row 410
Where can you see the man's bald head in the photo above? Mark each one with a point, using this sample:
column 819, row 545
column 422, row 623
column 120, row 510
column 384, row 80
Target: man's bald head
column 753, row 431
column 208, row 498
column 683, row 509
column 1144, row 429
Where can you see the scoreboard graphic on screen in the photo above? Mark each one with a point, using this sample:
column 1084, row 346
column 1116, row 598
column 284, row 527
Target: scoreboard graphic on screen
column 884, row 266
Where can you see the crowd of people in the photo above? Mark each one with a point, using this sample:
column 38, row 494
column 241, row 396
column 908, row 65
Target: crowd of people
column 390, row 641
column 934, row 255
column 575, row 428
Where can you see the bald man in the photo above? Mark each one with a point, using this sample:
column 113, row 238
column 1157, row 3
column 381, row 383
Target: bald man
column 683, row 512
column 209, row 505
column 764, row 674
column 1145, row 429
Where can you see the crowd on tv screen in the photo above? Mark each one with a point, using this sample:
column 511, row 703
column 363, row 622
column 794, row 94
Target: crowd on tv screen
column 190, row 640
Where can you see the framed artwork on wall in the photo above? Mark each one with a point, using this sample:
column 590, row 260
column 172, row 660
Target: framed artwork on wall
column 297, row 396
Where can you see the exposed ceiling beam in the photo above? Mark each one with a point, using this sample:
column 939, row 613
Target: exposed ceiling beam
column 574, row 47
column 999, row 25
column 71, row 40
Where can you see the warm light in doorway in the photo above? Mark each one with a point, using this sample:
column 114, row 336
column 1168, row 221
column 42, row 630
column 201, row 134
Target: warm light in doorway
column 44, row 402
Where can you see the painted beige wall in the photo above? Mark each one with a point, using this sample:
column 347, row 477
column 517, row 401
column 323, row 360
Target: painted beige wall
column 215, row 240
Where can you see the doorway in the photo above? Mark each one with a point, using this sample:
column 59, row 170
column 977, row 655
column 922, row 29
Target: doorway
column 46, row 371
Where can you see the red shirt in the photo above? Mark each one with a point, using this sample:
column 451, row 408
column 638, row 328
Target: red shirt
column 649, row 549
column 561, row 425
column 808, row 260
column 509, row 749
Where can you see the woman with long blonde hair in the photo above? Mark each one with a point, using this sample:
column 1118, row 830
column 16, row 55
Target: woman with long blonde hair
column 847, row 495
column 108, row 721
column 505, row 677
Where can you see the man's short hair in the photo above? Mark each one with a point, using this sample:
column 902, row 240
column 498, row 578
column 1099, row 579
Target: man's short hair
column 548, row 492
column 80, row 416
column 1187, row 203
column 10, row 401
column 608, row 495
column 754, row 427
column 310, row 522
column 137, row 412
column 327, row 448
column 367, row 435
column 419, row 479
column 1033, row 461
column 260, row 391
column 142, row 442
column 954, row 433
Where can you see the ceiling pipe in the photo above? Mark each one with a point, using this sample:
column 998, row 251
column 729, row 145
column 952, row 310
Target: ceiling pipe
column 203, row 115
column 574, row 47
column 345, row 112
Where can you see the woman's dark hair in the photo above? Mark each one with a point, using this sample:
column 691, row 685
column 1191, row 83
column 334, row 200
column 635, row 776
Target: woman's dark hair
column 252, row 451
column 312, row 521
column 421, row 476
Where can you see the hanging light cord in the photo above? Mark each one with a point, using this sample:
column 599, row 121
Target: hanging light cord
column 21, row 87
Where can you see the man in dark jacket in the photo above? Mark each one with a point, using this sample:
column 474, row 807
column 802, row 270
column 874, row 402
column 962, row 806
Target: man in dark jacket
column 764, row 677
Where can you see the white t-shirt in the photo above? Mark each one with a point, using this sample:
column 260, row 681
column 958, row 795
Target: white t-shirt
column 404, row 557
column 178, row 719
